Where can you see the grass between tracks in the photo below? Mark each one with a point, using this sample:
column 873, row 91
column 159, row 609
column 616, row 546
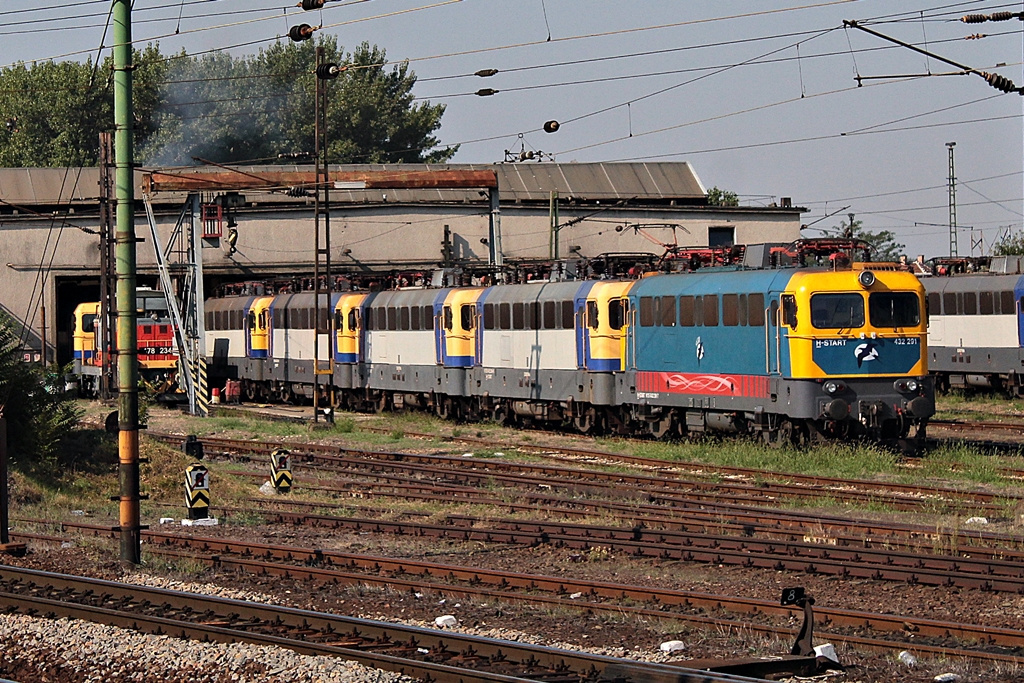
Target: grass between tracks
column 87, row 477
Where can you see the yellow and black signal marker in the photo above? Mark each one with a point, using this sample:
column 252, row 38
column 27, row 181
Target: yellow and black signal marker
column 281, row 470
column 197, row 491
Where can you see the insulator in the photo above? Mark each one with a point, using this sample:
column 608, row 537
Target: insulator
column 551, row 126
column 976, row 36
column 999, row 82
column 327, row 71
column 974, row 18
column 484, row 73
column 530, row 155
column 1001, row 16
column 311, row 4
column 300, row 32
column 486, row 92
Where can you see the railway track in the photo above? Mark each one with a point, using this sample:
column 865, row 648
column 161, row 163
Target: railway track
column 854, row 628
column 418, row 652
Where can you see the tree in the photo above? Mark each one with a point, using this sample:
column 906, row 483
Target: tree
column 717, row 197
column 51, row 113
column 254, row 108
column 39, row 414
column 1009, row 245
column 884, row 246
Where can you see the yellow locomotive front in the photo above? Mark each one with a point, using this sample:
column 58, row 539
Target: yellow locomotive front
column 859, row 336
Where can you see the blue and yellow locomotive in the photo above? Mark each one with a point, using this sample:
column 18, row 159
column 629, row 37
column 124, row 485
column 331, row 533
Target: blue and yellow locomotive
column 791, row 354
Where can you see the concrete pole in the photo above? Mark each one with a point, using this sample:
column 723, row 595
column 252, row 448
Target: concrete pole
column 127, row 338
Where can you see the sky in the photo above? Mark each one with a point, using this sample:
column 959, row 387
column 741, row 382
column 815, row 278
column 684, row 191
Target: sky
column 761, row 97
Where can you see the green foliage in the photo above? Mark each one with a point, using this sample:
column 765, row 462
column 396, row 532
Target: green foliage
column 252, row 108
column 719, row 197
column 219, row 107
column 1009, row 245
column 884, row 246
column 53, row 112
column 39, row 414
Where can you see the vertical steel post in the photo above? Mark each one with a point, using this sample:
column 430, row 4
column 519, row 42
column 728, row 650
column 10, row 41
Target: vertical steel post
column 954, row 242
column 322, row 248
column 318, row 92
column 42, row 329
column 4, row 499
column 127, row 339
column 107, row 319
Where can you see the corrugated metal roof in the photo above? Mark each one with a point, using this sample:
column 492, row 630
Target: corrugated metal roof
column 522, row 182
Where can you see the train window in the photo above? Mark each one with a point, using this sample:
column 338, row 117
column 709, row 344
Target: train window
column 489, row 319
column 773, row 314
column 949, row 304
column 934, row 303
column 403, row 318
column 209, row 321
column 667, row 312
column 339, row 321
column 831, row 311
column 532, row 315
column 414, row 317
column 686, row 311
column 592, row 317
column 550, row 319
column 392, row 318
column 89, row 322
column 1006, row 303
column 251, row 320
column 504, row 317
column 568, row 315
column 646, row 311
column 382, row 318
column 894, row 309
column 698, row 311
column 279, row 318
column 238, row 320
column 617, row 309
column 466, row 316
column 427, row 318
column 741, row 314
column 710, row 310
column 730, row 310
column 517, row 315
column 789, row 309
column 755, row 309
column 986, row 303
column 353, row 320
column 970, row 303
column 449, row 318
column 263, row 319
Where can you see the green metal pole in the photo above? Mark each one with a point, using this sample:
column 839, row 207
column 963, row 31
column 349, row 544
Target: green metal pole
column 127, row 352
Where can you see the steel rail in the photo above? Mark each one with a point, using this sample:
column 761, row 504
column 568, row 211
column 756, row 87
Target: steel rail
column 328, row 567
column 228, row 620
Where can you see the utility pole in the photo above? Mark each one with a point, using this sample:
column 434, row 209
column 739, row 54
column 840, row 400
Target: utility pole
column 107, row 319
column 954, row 243
column 127, row 336
column 322, row 246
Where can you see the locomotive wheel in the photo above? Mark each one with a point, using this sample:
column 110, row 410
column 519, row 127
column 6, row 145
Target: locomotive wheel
column 585, row 420
column 250, row 390
column 380, row 403
column 443, row 407
column 787, row 434
column 665, row 428
column 500, row 415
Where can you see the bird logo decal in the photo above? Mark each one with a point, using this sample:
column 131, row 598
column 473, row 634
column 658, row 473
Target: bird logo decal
column 865, row 352
column 700, row 350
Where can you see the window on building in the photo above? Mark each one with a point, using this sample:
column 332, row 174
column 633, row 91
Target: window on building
column 721, row 236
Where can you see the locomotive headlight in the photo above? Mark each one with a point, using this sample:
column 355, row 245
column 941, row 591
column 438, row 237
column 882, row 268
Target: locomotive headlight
column 906, row 385
column 833, row 387
column 866, row 278
column 913, row 385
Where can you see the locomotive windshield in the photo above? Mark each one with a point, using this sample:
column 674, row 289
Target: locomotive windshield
column 894, row 309
column 837, row 311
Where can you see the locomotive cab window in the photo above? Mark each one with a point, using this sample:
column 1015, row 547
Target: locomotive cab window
column 251, row 319
column 894, row 309
column 831, row 311
column 466, row 316
column 592, row 318
column 617, row 309
column 448, row 318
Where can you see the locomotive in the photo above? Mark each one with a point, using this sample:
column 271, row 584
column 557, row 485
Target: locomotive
column 790, row 354
column 976, row 330
column 157, row 350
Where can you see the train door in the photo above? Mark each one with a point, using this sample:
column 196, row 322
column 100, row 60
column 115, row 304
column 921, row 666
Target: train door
column 582, row 318
column 457, row 335
column 348, row 326
column 773, row 335
column 603, row 334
